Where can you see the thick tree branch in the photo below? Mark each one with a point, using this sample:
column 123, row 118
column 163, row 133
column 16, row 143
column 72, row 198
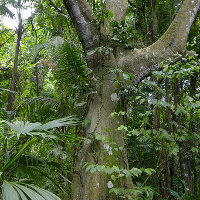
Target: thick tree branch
column 142, row 62
column 178, row 32
column 81, row 15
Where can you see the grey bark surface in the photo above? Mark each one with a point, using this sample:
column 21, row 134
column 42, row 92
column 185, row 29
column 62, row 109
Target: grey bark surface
column 14, row 72
column 140, row 62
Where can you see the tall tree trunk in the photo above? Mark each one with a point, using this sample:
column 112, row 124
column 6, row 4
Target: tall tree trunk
column 169, row 125
column 185, row 167
column 11, row 95
column 155, row 20
column 88, row 186
column 164, row 174
column 183, row 157
column 163, row 159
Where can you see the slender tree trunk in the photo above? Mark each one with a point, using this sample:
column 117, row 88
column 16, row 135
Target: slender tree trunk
column 155, row 20
column 164, row 174
column 37, row 80
column 11, row 95
column 169, row 125
column 183, row 157
column 185, row 167
column 163, row 159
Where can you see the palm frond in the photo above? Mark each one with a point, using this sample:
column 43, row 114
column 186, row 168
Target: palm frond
column 31, row 106
column 70, row 66
column 23, row 127
column 46, row 175
column 67, row 121
column 19, row 152
column 55, row 42
column 27, row 160
column 8, row 192
column 5, row 11
column 7, row 90
column 18, row 191
column 34, row 129
column 44, row 101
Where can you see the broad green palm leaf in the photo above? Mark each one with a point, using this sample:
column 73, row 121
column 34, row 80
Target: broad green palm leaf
column 27, row 128
column 20, row 191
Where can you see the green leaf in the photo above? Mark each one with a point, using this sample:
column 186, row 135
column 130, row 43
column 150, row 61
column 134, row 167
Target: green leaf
column 109, row 170
column 122, row 127
column 138, row 97
column 29, row 192
column 115, row 190
column 135, row 171
column 180, row 109
column 89, row 53
column 113, row 114
column 126, row 76
column 121, row 175
column 194, row 149
column 93, row 170
column 21, row 194
column 8, row 192
column 121, row 148
column 126, row 172
column 99, row 168
column 80, row 104
column 149, row 171
column 116, row 169
column 113, row 177
column 20, row 151
column 46, row 175
column 173, row 193
column 175, row 151
column 46, row 194
column 90, row 167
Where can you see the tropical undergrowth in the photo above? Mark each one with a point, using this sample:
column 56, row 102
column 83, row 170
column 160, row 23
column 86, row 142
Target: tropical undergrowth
column 35, row 154
column 163, row 129
column 162, row 135
column 26, row 173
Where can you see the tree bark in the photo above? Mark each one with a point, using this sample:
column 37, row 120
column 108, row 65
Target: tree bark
column 155, row 20
column 94, row 186
column 163, row 159
column 11, row 95
column 88, row 186
column 185, row 168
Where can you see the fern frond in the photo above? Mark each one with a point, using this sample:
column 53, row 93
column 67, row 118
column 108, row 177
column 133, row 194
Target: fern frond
column 46, row 101
column 55, row 42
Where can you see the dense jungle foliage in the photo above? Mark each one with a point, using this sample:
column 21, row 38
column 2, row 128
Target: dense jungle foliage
column 45, row 89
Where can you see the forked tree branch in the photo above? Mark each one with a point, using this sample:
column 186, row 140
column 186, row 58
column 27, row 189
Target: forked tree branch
column 142, row 61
